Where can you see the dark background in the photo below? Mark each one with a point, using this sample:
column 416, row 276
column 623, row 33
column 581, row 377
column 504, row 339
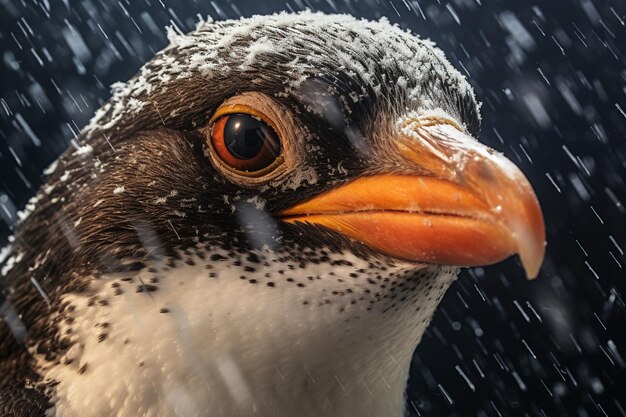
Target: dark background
column 552, row 77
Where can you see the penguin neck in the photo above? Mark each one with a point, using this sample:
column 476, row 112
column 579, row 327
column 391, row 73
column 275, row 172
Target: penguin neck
column 222, row 337
column 358, row 376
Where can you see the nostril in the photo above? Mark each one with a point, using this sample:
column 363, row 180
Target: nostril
column 482, row 170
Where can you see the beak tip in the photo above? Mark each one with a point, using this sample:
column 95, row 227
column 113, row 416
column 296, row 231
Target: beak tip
column 531, row 272
column 526, row 223
column 532, row 260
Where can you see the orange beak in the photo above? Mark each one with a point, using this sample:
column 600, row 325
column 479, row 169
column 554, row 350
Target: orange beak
column 466, row 206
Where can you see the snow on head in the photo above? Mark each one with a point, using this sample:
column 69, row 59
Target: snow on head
column 286, row 48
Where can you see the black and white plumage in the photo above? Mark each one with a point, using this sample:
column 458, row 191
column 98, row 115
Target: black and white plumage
column 148, row 279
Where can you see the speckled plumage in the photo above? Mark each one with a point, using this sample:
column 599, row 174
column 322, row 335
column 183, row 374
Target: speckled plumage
column 291, row 319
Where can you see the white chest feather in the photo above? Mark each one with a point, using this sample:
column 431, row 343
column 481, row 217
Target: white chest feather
column 231, row 341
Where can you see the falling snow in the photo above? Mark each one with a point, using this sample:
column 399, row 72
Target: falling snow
column 552, row 80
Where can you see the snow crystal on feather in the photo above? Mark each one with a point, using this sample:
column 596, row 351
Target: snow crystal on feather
column 236, row 46
column 4, row 253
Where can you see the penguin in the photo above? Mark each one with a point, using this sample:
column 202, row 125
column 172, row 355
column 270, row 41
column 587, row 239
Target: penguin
column 260, row 223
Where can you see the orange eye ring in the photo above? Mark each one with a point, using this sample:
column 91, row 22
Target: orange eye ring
column 245, row 142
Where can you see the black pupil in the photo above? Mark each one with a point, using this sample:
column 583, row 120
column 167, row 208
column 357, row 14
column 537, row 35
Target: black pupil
column 244, row 136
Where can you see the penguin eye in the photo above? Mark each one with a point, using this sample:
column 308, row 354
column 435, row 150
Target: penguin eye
column 250, row 139
column 245, row 143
